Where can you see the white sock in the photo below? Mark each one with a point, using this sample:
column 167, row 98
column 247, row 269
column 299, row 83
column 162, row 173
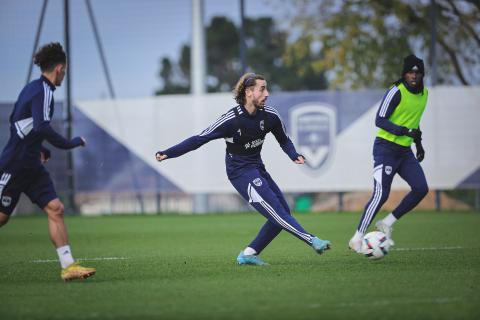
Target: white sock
column 389, row 220
column 358, row 236
column 65, row 256
column 249, row 251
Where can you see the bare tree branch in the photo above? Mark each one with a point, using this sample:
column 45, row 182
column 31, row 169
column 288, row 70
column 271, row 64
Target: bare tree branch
column 463, row 23
column 453, row 57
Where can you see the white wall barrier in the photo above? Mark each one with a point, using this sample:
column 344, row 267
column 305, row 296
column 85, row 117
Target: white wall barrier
column 334, row 130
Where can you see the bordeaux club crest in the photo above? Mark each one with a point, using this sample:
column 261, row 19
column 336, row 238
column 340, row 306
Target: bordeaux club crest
column 313, row 131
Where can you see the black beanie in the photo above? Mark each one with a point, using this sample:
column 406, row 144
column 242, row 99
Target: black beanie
column 412, row 62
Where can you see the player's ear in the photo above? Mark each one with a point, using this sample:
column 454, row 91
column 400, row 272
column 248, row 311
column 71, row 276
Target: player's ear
column 59, row 68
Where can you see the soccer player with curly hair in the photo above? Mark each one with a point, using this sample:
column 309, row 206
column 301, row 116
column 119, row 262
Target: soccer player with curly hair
column 244, row 128
column 22, row 159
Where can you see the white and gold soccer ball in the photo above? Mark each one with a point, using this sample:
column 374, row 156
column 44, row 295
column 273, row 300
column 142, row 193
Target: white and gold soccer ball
column 375, row 245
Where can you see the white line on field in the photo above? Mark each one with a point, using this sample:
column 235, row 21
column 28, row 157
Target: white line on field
column 425, row 249
column 81, row 259
column 385, row 303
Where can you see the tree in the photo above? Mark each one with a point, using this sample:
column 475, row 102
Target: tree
column 268, row 53
column 363, row 42
column 170, row 86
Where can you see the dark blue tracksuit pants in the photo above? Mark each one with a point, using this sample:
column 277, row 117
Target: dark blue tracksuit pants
column 258, row 188
column 388, row 161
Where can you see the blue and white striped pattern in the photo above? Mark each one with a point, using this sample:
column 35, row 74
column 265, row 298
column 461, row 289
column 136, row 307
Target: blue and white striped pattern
column 386, row 101
column 275, row 112
column 224, row 118
column 48, row 94
column 24, row 127
column 255, row 197
column 377, row 196
column 3, row 181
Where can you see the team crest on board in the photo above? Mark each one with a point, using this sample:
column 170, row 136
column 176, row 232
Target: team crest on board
column 6, row 201
column 313, row 130
column 388, row 170
column 262, row 125
column 257, row 182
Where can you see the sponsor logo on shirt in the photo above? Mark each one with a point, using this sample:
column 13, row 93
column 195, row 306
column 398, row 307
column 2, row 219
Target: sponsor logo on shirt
column 262, row 125
column 253, row 144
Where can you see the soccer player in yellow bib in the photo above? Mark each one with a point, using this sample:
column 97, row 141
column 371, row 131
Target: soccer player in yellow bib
column 398, row 120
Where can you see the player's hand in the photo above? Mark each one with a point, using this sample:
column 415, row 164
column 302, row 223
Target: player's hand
column 300, row 159
column 416, row 134
column 44, row 155
column 420, row 152
column 160, row 156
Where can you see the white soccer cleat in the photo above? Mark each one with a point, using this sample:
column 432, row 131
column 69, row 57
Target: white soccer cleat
column 355, row 245
column 380, row 226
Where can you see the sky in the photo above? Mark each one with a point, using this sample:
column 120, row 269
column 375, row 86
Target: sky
column 135, row 35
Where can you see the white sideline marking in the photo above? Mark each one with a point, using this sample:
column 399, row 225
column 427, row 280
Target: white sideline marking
column 81, row 259
column 425, row 249
column 385, row 303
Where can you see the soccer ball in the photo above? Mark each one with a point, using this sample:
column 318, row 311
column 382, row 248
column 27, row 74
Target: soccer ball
column 375, row 245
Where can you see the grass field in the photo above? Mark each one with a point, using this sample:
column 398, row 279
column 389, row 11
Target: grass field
column 183, row 267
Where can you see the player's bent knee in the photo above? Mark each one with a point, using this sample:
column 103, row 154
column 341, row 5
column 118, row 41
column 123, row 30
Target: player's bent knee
column 3, row 219
column 421, row 190
column 55, row 209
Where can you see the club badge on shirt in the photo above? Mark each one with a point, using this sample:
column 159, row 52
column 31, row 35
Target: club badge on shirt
column 257, row 182
column 6, row 201
column 388, row 170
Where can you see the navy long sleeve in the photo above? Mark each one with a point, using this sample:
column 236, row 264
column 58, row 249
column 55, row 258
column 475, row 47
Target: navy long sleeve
column 389, row 102
column 283, row 139
column 41, row 123
column 217, row 130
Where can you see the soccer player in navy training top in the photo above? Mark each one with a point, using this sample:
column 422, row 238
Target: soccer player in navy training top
column 21, row 162
column 244, row 128
column 398, row 119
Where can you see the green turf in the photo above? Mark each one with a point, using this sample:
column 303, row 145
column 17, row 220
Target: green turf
column 183, row 267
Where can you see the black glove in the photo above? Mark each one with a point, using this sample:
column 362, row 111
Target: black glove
column 420, row 151
column 416, row 134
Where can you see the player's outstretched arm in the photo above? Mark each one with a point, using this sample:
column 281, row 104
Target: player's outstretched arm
column 217, row 130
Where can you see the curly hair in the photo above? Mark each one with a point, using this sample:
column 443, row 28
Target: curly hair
column 50, row 55
column 245, row 81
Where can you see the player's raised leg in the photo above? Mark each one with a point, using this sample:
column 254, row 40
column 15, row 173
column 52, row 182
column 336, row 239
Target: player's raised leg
column 257, row 191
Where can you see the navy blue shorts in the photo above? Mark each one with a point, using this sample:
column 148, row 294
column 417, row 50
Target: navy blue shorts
column 35, row 183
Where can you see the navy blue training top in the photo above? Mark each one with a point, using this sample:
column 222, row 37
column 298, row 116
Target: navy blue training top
column 244, row 135
column 30, row 125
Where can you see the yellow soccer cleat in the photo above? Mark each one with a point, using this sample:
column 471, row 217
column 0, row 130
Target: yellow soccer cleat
column 76, row 271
